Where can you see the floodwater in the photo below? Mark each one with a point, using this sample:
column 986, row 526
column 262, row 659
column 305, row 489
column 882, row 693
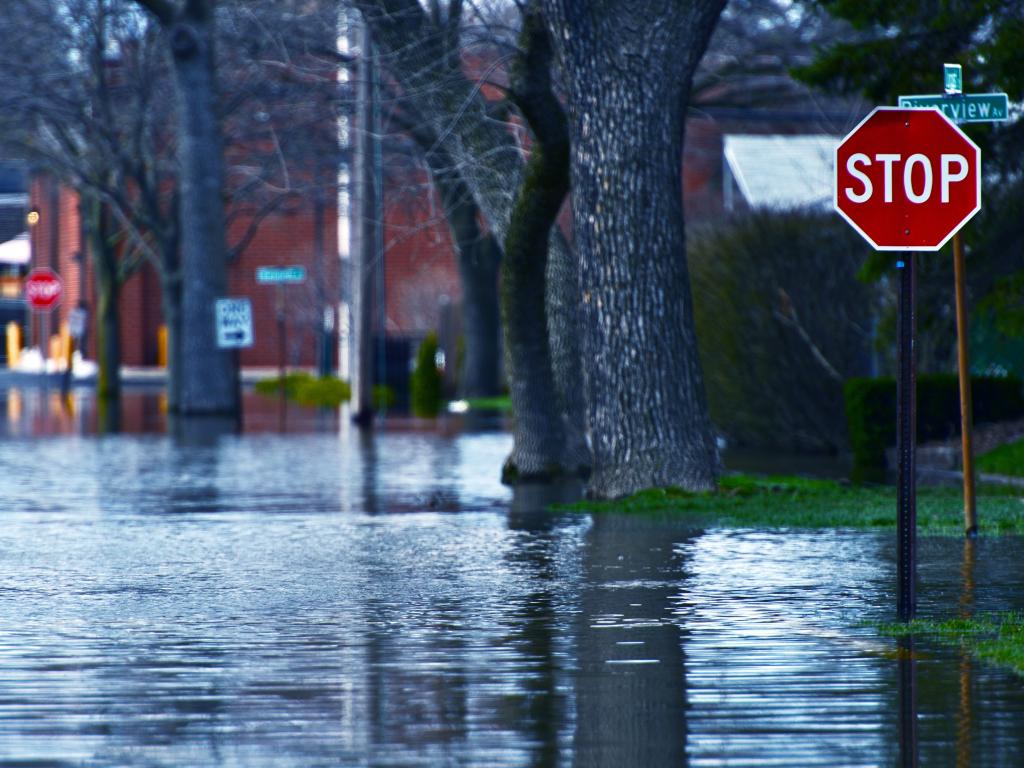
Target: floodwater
column 318, row 598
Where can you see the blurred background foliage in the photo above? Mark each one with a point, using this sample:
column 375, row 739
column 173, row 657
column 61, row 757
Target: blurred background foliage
column 782, row 321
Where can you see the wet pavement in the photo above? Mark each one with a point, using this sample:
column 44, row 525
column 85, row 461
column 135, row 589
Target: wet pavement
column 320, row 598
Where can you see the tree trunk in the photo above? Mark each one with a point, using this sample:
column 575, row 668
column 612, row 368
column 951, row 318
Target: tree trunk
column 209, row 378
column 539, row 445
column 628, row 69
column 479, row 256
column 481, row 319
column 562, row 304
column 108, row 294
column 108, row 335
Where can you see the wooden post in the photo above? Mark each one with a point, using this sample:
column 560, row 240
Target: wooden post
column 967, row 409
column 966, row 406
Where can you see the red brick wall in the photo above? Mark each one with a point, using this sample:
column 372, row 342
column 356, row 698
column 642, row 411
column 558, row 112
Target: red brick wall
column 284, row 238
column 419, row 260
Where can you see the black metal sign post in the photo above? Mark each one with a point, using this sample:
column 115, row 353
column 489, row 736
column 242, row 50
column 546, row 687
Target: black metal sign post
column 906, row 444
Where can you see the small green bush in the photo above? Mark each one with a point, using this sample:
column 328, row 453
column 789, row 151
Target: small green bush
column 292, row 382
column 871, row 412
column 325, row 392
column 308, row 390
column 425, row 383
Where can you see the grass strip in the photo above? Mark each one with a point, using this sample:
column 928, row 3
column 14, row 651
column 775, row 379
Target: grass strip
column 992, row 638
column 501, row 403
column 1006, row 459
column 783, row 502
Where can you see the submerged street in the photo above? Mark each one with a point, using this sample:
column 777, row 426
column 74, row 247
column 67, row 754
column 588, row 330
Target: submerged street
column 323, row 598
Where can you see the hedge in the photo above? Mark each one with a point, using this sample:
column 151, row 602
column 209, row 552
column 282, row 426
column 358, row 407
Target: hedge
column 871, row 412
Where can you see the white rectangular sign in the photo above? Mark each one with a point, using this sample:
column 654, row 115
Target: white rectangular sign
column 234, row 323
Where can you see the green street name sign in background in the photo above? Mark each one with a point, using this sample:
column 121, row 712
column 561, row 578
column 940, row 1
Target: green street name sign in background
column 953, row 78
column 280, row 274
column 966, row 108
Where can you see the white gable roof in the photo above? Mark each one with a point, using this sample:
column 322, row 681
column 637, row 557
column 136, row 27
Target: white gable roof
column 16, row 251
column 782, row 171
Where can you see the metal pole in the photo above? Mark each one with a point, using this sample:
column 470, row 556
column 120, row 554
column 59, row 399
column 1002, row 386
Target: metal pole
column 906, row 439
column 966, row 404
column 364, row 230
column 378, row 235
column 44, row 344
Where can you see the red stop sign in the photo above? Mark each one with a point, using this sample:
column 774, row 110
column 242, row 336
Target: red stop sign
column 907, row 179
column 43, row 288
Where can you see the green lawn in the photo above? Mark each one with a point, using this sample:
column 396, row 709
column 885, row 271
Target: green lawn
column 1007, row 459
column 744, row 501
column 500, row 403
column 993, row 638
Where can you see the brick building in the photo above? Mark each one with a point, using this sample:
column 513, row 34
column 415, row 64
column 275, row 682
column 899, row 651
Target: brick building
column 285, row 238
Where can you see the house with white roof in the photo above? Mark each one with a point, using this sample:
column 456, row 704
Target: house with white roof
column 777, row 172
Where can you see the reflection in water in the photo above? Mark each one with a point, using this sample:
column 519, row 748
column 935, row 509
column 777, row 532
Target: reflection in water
column 631, row 684
column 542, row 623
column 345, row 599
column 963, row 715
column 108, row 416
column 908, row 702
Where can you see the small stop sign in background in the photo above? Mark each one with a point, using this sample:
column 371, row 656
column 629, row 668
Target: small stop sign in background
column 907, row 179
column 43, row 288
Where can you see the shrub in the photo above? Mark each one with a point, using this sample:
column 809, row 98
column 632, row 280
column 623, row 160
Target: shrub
column 871, row 412
column 292, row 381
column 305, row 389
column 425, row 383
column 325, row 392
column 781, row 321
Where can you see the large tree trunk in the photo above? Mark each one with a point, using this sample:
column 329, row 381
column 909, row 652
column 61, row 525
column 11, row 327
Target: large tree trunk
column 539, row 432
column 628, row 68
column 209, row 378
column 562, row 305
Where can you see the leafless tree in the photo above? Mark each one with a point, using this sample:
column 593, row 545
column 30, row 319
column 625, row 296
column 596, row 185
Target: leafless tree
column 428, row 50
column 89, row 104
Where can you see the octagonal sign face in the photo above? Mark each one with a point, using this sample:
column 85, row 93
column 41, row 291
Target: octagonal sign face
column 907, row 179
column 43, row 288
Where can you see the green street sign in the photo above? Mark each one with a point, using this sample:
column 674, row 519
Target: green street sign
column 280, row 274
column 953, row 78
column 965, row 108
